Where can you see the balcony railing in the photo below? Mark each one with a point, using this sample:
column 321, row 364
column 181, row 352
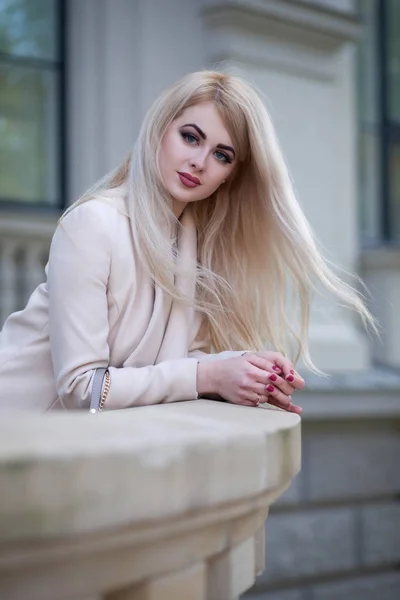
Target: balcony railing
column 165, row 502
column 24, row 247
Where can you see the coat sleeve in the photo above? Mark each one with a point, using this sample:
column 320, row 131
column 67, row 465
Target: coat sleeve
column 77, row 278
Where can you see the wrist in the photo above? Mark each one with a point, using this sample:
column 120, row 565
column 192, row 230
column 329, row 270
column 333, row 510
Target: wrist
column 206, row 378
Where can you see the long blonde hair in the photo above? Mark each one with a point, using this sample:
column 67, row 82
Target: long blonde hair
column 255, row 247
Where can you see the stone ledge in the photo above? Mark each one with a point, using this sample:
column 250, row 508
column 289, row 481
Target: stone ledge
column 34, row 224
column 130, row 504
column 185, row 456
column 371, row 394
column 376, row 379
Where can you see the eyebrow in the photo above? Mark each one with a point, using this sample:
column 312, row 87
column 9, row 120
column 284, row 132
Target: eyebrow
column 203, row 135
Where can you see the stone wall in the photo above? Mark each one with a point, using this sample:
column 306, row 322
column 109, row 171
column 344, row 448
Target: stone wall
column 336, row 532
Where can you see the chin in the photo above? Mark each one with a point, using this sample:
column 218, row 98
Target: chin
column 182, row 196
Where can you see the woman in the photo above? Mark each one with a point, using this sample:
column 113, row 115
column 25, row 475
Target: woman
column 173, row 271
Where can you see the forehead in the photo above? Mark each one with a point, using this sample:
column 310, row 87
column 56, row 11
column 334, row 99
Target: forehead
column 206, row 116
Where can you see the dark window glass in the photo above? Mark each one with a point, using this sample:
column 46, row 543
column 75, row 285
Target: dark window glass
column 392, row 31
column 393, row 59
column 369, row 126
column 379, row 115
column 31, row 70
column 29, row 28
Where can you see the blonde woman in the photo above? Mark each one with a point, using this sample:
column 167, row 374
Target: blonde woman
column 172, row 273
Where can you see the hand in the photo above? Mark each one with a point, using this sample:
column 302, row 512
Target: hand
column 282, row 375
column 276, row 363
column 246, row 380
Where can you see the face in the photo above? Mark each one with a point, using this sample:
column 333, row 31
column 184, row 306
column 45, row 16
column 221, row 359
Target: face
column 197, row 155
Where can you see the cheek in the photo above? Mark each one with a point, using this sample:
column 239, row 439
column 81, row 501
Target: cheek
column 175, row 143
column 219, row 174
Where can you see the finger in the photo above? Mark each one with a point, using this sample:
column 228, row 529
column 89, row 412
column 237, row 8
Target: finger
column 288, row 372
column 263, row 376
column 295, row 380
column 264, row 364
column 258, row 361
column 269, row 363
column 281, row 383
column 284, row 364
column 258, row 393
column 248, row 403
column 291, row 407
column 278, row 395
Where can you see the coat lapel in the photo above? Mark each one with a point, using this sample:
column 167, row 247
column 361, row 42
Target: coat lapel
column 167, row 335
column 146, row 351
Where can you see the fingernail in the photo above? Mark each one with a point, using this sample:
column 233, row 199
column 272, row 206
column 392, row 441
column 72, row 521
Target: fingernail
column 289, row 378
column 270, row 388
column 272, row 377
column 275, row 368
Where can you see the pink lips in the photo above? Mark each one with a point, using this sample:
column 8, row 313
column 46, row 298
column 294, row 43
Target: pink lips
column 188, row 180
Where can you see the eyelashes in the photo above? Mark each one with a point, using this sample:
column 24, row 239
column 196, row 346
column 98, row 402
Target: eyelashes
column 190, row 138
column 225, row 157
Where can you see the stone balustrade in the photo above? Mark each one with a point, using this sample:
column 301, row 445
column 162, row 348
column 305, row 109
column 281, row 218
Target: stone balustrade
column 24, row 248
column 163, row 502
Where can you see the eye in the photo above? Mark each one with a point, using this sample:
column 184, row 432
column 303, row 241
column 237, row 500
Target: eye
column 189, row 137
column 222, row 157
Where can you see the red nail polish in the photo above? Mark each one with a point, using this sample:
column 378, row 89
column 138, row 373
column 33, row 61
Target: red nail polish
column 275, row 368
column 272, row 377
column 270, row 388
column 290, row 378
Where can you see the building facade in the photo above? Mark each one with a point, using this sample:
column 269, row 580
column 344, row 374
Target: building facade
column 77, row 78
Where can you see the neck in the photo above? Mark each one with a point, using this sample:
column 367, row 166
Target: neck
column 178, row 208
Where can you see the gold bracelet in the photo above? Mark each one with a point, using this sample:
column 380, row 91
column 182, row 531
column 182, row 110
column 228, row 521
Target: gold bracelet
column 106, row 390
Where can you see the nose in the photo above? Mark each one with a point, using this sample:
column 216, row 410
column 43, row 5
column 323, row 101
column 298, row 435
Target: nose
column 198, row 161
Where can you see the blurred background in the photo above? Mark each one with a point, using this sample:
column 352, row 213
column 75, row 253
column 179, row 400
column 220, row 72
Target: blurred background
column 76, row 78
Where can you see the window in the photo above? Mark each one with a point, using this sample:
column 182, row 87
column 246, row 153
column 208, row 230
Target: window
column 31, row 102
column 379, row 114
column 391, row 117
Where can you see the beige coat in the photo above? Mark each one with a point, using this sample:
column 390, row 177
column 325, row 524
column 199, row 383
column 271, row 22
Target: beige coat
column 98, row 308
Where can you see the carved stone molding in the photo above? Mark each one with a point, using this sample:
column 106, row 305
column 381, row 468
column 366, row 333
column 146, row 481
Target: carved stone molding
column 277, row 34
column 261, row 15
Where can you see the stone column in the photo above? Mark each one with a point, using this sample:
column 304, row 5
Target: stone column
column 302, row 58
